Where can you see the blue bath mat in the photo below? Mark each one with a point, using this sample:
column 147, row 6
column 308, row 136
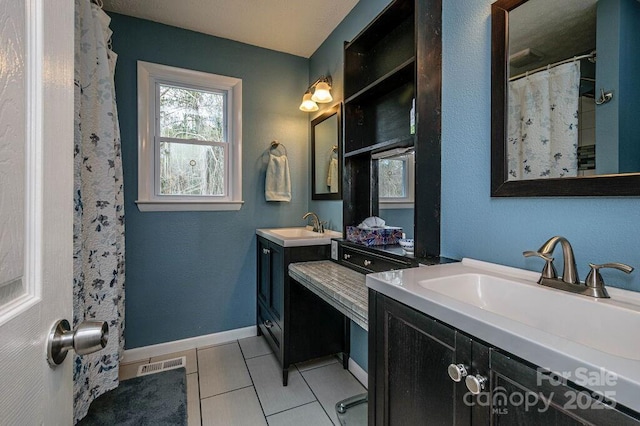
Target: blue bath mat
column 154, row 399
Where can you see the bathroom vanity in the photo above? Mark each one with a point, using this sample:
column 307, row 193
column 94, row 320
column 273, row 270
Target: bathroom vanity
column 485, row 362
column 287, row 312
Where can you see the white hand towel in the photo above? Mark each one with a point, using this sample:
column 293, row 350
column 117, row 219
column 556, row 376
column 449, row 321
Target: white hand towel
column 277, row 186
column 332, row 176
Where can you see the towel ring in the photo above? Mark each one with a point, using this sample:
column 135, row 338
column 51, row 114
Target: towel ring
column 334, row 152
column 275, row 145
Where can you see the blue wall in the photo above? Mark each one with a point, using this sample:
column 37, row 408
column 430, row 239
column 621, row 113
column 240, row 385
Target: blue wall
column 403, row 218
column 607, row 77
column 474, row 224
column 194, row 273
column 329, row 59
column 629, row 87
column 498, row 230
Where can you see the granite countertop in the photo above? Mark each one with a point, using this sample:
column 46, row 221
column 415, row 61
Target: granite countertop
column 341, row 287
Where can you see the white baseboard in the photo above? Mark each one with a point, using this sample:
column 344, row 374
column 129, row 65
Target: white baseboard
column 138, row 354
column 359, row 373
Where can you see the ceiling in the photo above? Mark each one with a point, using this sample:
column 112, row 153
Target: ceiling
column 556, row 30
column 297, row 27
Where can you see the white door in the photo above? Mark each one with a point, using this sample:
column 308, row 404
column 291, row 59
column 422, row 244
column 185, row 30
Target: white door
column 36, row 207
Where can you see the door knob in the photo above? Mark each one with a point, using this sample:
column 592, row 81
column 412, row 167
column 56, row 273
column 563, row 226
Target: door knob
column 475, row 384
column 457, row 372
column 89, row 337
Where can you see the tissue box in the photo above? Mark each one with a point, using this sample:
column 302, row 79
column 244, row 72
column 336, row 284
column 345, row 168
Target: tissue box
column 374, row 237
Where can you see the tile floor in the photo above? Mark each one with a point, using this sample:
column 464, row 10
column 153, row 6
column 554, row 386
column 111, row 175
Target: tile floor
column 240, row 383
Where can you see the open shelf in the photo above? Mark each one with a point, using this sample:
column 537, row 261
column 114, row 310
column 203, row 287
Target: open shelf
column 380, row 119
column 399, row 142
column 398, row 76
column 391, row 17
column 382, row 47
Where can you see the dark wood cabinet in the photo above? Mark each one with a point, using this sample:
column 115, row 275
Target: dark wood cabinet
column 409, row 354
column 271, row 277
column 526, row 395
column 409, row 357
column 297, row 324
column 366, row 260
column 393, row 66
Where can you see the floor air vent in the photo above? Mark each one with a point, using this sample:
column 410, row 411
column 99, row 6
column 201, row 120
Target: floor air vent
column 157, row 367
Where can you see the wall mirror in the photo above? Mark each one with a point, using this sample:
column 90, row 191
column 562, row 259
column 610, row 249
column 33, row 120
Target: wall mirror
column 326, row 158
column 564, row 98
column 396, row 187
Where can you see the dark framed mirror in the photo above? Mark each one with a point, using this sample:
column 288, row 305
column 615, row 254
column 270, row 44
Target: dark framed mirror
column 598, row 153
column 326, row 155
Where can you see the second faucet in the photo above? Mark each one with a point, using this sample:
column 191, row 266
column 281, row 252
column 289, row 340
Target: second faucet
column 318, row 226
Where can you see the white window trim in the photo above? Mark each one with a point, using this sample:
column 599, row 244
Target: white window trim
column 148, row 200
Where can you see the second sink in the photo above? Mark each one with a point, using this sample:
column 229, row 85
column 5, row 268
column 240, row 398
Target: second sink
column 298, row 236
column 573, row 317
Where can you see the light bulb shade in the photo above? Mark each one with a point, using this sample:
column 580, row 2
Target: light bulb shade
column 322, row 94
column 307, row 104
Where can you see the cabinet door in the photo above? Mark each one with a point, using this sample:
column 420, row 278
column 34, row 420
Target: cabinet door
column 411, row 383
column 264, row 271
column 279, row 272
column 523, row 395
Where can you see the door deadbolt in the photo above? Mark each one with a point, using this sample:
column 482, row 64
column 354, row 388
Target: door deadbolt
column 89, row 337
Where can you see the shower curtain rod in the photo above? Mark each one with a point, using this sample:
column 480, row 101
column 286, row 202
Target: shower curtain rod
column 591, row 56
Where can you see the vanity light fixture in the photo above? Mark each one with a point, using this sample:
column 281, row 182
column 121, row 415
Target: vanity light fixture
column 307, row 104
column 319, row 92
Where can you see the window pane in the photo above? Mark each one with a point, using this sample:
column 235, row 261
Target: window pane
column 392, row 178
column 191, row 114
column 187, row 169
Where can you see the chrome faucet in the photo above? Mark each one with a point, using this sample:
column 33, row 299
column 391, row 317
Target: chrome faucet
column 569, row 270
column 594, row 284
column 318, row 226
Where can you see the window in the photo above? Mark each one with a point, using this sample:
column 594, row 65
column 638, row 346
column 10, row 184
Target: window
column 395, row 179
column 189, row 140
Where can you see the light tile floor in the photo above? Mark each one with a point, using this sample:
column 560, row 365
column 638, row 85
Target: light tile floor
column 240, row 383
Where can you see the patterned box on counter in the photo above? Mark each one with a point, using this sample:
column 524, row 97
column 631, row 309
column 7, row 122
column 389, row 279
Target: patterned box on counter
column 374, row 237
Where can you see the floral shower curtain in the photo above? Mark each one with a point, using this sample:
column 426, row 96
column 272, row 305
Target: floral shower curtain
column 98, row 228
column 543, row 124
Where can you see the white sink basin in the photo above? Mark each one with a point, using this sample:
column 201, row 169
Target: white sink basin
column 578, row 318
column 298, row 236
column 506, row 308
column 295, row 233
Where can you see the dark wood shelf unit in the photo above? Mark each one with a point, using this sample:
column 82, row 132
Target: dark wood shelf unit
column 382, row 46
column 395, row 60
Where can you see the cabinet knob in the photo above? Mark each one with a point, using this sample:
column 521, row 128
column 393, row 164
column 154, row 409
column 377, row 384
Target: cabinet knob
column 266, row 251
column 475, row 384
column 346, row 256
column 457, row 372
column 367, row 262
column 268, row 323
